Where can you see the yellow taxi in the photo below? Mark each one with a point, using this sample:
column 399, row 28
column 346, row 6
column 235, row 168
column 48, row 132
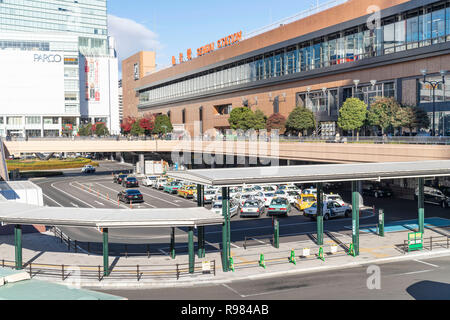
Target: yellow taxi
column 187, row 192
column 305, row 201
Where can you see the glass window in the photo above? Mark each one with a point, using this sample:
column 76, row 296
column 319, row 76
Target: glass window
column 448, row 24
column 33, row 120
column 425, row 29
column 51, row 120
column 412, row 32
column 279, row 65
column 389, row 38
column 438, row 26
column 400, row 36
column 268, row 63
column 2, row 120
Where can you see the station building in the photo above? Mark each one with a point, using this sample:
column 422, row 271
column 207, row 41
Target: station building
column 356, row 48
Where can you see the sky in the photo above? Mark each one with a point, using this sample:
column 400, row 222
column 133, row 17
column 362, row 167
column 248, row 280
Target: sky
column 171, row 27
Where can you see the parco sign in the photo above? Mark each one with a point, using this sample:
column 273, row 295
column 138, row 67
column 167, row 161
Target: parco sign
column 47, row 58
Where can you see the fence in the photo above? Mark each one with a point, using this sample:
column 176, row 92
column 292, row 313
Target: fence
column 430, row 243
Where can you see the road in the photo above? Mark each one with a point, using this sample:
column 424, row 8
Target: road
column 99, row 191
column 419, row 279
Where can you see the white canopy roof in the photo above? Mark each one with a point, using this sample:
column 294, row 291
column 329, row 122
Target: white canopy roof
column 314, row 173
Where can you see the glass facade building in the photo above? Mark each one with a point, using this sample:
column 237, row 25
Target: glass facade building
column 422, row 27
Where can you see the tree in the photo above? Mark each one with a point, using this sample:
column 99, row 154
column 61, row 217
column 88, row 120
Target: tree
column 352, row 115
column 241, row 118
column 136, row 129
column 147, row 125
column 300, row 119
column 259, row 120
column 421, row 119
column 85, row 130
column 276, row 122
column 100, row 129
column 382, row 113
column 404, row 118
column 162, row 125
column 127, row 124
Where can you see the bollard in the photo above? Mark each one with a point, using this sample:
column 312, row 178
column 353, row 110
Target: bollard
column 292, row 258
column 131, row 204
column 262, row 262
column 107, row 196
column 137, row 269
column 99, row 274
column 231, row 264
column 320, row 255
column 62, row 272
column 351, row 250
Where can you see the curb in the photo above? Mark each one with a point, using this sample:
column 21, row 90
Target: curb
column 200, row 282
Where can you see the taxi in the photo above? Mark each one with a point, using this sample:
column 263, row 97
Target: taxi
column 187, row 192
column 305, row 201
column 172, row 187
column 279, row 206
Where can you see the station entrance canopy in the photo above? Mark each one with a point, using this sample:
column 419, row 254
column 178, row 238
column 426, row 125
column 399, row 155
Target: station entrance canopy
column 24, row 214
column 314, row 173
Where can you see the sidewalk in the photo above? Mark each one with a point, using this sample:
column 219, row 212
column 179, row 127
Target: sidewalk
column 160, row 271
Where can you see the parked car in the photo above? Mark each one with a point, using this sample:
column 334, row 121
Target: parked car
column 130, row 182
column 334, row 197
column 88, row 169
column 305, row 201
column 434, row 196
column 292, row 196
column 244, row 197
column 187, row 192
column 377, row 191
column 331, row 209
column 130, row 196
column 119, row 178
column 172, row 187
column 279, row 206
column 252, row 208
column 217, row 208
column 208, row 196
column 160, row 183
column 149, row 181
column 265, row 197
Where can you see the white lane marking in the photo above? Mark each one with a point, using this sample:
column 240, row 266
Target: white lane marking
column 99, row 203
column 73, row 204
column 145, row 203
column 53, row 200
column 112, row 201
column 237, row 247
column 427, row 263
column 170, row 202
column 163, row 252
column 414, row 272
column 258, row 240
column 66, row 193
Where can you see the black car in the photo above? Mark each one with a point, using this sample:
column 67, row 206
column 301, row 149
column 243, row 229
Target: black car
column 130, row 196
column 377, row 191
column 119, row 178
column 435, row 196
column 130, row 182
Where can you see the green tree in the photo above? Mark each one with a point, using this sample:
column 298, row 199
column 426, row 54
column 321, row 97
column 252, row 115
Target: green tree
column 162, row 125
column 241, row 118
column 259, row 120
column 101, row 130
column 421, row 119
column 352, row 115
column 403, row 118
column 136, row 129
column 85, row 130
column 382, row 113
column 301, row 119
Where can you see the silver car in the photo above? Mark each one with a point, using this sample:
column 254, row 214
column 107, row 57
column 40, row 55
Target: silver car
column 253, row 208
column 217, row 208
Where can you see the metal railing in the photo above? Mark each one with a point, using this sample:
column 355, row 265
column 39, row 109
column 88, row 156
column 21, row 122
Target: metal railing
column 282, row 139
column 430, row 243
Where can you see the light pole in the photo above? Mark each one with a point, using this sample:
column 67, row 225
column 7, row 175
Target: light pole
column 434, row 85
column 356, row 82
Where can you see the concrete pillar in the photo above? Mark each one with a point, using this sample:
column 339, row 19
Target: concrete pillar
column 141, row 163
column 355, row 217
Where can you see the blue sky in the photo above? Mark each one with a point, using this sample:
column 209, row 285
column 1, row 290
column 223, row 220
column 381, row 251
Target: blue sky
column 171, row 27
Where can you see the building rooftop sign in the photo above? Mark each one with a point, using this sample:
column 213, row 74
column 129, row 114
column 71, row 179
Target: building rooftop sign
column 221, row 43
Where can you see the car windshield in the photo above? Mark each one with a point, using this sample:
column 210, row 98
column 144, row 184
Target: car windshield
column 334, row 198
column 268, row 189
column 251, row 204
column 123, row 176
column 278, row 201
column 269, row 195
column 174, row 184
column 132, row 179
column 309, row 199
column 280, row 192
column 133, row 192
column 217, row 206
column 292, row 193
column 210, row 192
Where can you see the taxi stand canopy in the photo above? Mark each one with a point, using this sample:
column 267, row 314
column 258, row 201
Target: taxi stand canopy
column 20, row 214
column 317, row 174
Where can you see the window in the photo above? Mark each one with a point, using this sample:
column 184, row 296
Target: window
column 412, row 32
column 14, row 121
column 448, row 24
column 33, row 133
column 224, row 109
column 51, row 120
column 2, row 120
column 33, row 120
column 183, row 116
column 442, row 92
column 425, row 29
column 438, row 26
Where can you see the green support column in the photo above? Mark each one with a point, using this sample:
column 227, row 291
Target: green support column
column 191, row 250
column 355, row 217
column 200, row 230
column 276, row 234
column 421, row 205
column 225, row 243
column 199, row 195
column 18, row 245
column 172, row 244
column 105, row 252
column 319, row 215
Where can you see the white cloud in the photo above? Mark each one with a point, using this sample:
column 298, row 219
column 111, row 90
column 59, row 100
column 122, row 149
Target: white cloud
column 132, row 37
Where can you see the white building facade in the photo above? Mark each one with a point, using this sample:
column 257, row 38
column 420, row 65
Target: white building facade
column 58, row 74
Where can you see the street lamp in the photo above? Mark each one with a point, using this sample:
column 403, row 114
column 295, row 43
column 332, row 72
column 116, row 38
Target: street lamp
column 356, row 82
column 434, row 85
